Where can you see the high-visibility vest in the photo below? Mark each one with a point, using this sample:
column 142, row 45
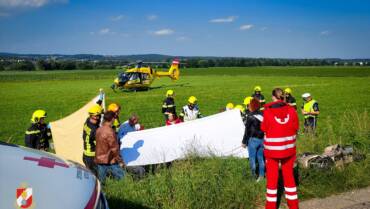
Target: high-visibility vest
column 308, row 107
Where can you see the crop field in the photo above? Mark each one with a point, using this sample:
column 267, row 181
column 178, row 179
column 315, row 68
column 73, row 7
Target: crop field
column 343, row 94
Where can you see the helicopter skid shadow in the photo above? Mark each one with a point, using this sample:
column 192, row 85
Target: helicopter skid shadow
column 173, row 85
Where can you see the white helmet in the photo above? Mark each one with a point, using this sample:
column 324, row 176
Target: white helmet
column 305, row 95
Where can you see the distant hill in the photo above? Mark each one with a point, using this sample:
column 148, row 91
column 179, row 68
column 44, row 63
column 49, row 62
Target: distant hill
column 143, row 57
column 87, row 57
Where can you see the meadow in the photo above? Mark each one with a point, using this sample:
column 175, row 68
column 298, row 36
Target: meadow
column 342, row 93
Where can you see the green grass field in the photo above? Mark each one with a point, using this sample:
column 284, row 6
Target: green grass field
column 342, row 92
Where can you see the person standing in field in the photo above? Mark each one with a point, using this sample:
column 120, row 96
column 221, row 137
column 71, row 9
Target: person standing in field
column 280, row 124
column 108, row 158
column 310, row 111
column 169, row 106
column 38, row 134
column 88, row 135
column 116, row 108
column 258, row 95
column 253, row 138
column 288, row 98
column 191, row 110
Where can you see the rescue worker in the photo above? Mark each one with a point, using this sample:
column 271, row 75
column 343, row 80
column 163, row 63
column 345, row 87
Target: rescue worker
column 240, row 108
column 38, row 134
column 253, row 139
column 280, row 124
column 88, row 135
column 108, row 158
column 229, row 106
column 191, row 110
column 246, row 102
column 116, row 109
column 310, row 111
column 258, row 95
column 288, row 98
column 169, row 104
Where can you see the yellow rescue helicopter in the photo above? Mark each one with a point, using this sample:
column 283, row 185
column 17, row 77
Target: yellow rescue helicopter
column 142, row 75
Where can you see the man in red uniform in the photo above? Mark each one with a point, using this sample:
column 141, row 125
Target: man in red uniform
column 280, row 125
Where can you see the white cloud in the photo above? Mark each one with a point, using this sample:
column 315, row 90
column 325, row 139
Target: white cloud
column 163, row 32
column 105, row 31
column 117, row 18
column 182, row 38
column 224, row 20
column 28, row 3
column 325, row 33
column 152, row 17
column 246, row 27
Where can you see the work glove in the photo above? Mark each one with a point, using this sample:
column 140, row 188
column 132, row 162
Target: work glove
column 101, row 94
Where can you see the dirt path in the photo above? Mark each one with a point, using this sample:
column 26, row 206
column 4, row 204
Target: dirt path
column 357, row 199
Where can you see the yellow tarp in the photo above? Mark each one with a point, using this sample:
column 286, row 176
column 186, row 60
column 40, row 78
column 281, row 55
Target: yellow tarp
column 67, row 133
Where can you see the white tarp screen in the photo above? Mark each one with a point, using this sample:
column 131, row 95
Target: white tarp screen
column 67, row 133
column 217, row 135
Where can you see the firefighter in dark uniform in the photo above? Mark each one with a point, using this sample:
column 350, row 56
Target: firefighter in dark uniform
column 38, row 134
column 88, row 135
column 310, row 111
column 288, row 98
column 259, row 96
column 169, row 104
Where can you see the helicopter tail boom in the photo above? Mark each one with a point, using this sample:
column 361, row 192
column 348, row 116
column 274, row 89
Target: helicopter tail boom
column 173, row 72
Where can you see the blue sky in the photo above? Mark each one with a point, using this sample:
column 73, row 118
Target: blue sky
column 246, row 28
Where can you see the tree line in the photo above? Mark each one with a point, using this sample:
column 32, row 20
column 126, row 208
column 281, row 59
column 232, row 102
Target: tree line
column 48, row 65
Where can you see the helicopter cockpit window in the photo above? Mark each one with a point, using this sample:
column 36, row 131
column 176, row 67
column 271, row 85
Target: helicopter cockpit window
column 123, row 77
column 144, row 76
column 134, row 76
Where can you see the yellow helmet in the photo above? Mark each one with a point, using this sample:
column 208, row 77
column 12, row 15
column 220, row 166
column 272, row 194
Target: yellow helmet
column 169, row 93
column 114, row 107
column 239, row 107
column 230, row 106
column 192, row 100
column 247, row 100
column 95, row 110
column 288, row 90
column 257, row 88
column 37, row 115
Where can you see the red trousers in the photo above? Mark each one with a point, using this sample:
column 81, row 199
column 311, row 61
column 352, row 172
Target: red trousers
column 272, row 176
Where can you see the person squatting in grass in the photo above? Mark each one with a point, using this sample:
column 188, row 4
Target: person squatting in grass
column 253, row 138
column 172, row 119
column 38, row 134
column 131, row 125
column 108, row 158
column 280, row 124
